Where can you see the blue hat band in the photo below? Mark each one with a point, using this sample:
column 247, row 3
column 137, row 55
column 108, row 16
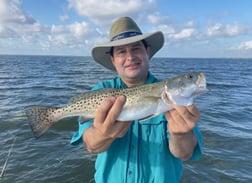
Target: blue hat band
column 125, row 35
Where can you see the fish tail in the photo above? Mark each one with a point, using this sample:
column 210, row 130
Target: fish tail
column 40, row 119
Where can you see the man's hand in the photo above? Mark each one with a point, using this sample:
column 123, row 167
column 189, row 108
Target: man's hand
column 105, row 128
column 106, row 115
column 181, row 121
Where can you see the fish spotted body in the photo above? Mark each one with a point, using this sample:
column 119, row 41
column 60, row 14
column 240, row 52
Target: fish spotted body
column 142, row 102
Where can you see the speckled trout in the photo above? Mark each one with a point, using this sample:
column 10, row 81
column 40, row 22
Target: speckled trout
column 142, row 102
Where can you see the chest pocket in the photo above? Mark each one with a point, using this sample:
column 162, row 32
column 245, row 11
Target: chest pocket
column 153, row 136
column 154, row 130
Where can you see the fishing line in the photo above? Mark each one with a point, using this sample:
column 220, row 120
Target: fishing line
column 7, row 159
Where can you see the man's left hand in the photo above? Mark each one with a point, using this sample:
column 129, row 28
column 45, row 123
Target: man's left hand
column 182, row 119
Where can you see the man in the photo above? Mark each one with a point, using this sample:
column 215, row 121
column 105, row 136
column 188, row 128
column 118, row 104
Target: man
column 133, row 151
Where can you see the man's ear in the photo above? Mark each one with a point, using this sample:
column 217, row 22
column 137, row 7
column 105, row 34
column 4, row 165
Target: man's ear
column 112, row 59
column 148, row 51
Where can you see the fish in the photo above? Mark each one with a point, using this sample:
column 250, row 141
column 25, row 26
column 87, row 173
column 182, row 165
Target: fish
column 142, row 102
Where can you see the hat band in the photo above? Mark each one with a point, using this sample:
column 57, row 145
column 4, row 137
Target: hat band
column 125, row 35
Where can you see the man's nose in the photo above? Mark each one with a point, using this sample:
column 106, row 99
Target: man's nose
column 130, row 54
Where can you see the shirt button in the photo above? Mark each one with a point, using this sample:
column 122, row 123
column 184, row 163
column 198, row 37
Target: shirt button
column 130, row 172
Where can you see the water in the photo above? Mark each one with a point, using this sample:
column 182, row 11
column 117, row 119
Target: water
column 226, row 118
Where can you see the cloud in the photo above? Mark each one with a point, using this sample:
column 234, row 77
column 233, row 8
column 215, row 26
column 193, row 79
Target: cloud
column 16, row 23
column 98, row 11
column 229, row 30
column 19, row 29
column 247, row 45
column 12, row 12
column 63, row 17
column 72, row 35
column 23, row 27
column 186, row 33
column 190, row 23
column 75, row 37
column 172, row 30
column 157, row 18
column 166, row 29
column 6, row 32
column 17, row 26
column 77, row 29
column 176, row 32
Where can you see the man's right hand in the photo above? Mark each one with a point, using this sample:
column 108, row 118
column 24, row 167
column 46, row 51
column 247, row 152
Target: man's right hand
column 105, row 128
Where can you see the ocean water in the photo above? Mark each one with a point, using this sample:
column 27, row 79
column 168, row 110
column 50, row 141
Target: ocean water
column 226, row 118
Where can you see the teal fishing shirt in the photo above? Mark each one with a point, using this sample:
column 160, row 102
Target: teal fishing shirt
column 142, row 155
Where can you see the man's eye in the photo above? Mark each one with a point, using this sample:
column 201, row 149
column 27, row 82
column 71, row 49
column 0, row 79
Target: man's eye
column 136, row 48
column 120, row 52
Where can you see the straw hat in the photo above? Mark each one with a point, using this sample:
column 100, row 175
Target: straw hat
column 125, row 31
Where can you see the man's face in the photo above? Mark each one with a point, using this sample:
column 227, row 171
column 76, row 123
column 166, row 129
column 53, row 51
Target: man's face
column 131, row 61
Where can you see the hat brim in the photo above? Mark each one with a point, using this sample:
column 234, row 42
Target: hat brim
column 101, row 53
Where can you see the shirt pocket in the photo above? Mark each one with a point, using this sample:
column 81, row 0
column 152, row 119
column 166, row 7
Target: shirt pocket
column 154, row 129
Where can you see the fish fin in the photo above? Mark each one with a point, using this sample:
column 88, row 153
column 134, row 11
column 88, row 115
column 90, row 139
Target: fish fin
column 84, row 119
column 87, row 94
column 180, row 100
column 150, row 99
column 148, row 117
column 39, row 119
column 79, row 97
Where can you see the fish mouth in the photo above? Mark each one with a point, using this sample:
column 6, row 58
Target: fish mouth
column 200, row 91
column 202, row 84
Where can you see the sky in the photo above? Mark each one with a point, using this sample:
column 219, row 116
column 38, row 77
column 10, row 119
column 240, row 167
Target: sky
column 192, row 28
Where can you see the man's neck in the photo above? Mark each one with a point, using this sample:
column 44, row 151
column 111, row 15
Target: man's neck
column 134, row 82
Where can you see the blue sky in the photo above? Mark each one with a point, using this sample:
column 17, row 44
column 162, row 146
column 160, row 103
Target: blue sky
column 192, row 28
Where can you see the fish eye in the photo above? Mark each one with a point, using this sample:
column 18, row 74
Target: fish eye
column 190, row 76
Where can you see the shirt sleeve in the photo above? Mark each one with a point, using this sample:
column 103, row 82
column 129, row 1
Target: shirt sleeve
column 77, row 137
column 198, row 149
